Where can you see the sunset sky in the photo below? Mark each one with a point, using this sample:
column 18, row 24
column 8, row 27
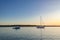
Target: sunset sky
column 29, row 12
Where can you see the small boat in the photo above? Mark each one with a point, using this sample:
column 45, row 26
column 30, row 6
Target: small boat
column 16, row 27
column 41, row 26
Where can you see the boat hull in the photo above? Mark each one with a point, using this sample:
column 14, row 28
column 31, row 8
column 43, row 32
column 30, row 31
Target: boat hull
column 41, row 27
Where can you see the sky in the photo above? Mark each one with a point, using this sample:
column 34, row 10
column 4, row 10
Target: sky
column 29, row 12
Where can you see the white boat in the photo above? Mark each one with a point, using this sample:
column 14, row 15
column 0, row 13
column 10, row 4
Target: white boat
column 16, row 27
column 41, row 26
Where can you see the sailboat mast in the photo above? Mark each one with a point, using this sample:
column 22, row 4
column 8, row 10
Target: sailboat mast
column 40, row 20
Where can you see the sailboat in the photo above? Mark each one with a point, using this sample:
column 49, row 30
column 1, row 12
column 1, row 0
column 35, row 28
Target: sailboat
column 41, row 26
column 16, row 27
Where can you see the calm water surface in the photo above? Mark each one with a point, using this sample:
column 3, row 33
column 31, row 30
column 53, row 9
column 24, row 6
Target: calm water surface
column 30, row 33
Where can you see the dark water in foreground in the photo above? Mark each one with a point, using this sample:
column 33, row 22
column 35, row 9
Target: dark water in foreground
column 30, row 33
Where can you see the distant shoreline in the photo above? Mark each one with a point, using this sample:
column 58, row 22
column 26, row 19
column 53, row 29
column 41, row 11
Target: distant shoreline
column 29, row 25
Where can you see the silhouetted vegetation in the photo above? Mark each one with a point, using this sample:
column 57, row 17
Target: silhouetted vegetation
column 29, row 25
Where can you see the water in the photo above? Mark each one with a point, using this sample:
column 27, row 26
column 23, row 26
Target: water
column 30, row 33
